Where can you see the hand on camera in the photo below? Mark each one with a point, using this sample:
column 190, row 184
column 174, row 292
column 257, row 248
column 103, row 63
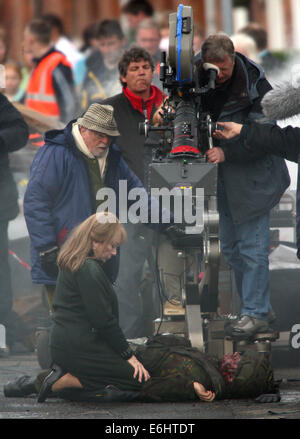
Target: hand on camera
column 215, row 155
column 48, row 262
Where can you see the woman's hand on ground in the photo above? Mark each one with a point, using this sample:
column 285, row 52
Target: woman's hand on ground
column 139, row 370
column 202, row 393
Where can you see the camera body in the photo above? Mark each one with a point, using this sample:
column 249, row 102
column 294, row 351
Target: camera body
column 179, row 139
column 184, row 128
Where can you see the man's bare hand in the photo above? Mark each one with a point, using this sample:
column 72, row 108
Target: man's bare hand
column 202, row 393
column 230, row 130
column 215, row 155
column 139, row 371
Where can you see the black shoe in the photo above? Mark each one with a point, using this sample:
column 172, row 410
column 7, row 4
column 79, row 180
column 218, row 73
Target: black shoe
column 48, row 382
column 22, row 386
column 113, row 394
column 246, row 327
column 271, row 316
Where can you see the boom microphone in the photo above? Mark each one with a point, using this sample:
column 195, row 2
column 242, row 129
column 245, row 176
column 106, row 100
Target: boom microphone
column 213, row 72
column 282, row 102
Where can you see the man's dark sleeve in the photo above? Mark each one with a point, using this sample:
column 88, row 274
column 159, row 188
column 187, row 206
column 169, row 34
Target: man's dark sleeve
column 64, row 88
column 263, row 87
column 13, row 129
column 283, row 142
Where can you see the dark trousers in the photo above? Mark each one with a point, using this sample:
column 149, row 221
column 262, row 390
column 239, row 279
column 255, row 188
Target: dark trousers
column 6, row 297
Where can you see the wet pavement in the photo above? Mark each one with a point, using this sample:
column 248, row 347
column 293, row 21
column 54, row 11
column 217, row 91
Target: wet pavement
column 116, row 415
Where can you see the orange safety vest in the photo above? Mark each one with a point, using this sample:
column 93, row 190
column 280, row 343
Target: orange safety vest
column 40, row 94
column 157, row 68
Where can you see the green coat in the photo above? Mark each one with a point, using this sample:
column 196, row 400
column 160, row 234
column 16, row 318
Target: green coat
column 86, row 339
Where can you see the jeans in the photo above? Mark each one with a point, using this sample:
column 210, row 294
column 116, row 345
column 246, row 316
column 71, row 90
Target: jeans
column 246, row 250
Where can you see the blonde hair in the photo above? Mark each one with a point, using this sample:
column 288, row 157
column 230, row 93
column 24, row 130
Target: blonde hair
column 100, row 227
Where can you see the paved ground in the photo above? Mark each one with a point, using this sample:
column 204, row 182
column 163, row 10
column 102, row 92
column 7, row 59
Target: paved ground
column 122, row 415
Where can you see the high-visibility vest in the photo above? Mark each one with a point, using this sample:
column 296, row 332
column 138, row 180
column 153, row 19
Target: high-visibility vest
column 40, row 94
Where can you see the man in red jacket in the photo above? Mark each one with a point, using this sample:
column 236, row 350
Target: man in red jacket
column 138, row 97
column 136, row 69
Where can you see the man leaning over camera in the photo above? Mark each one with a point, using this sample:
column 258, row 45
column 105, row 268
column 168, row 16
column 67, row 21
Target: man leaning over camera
column 247, row 188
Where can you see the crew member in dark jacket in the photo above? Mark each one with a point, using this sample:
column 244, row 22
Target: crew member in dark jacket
column 256, row 138
column 13, row 136
column 138, row 98
column 246, row 191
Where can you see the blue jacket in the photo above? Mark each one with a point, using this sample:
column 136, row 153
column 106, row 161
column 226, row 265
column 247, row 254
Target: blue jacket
column 60, row 195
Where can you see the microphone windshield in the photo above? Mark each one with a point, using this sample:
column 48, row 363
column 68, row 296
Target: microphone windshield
column 282, row 102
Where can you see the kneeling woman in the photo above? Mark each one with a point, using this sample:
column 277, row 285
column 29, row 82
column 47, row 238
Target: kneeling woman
column 88, row 347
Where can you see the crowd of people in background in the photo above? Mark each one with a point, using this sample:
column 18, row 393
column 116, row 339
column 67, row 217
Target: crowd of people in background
column 91, row 71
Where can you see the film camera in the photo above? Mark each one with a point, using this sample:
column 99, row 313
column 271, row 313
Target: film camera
column 179, row 141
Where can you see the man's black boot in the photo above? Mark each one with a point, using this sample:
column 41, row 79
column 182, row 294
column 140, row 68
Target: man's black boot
column 22, row 386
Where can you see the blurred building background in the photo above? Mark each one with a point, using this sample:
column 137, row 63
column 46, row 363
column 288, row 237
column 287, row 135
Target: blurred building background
column 279, row 17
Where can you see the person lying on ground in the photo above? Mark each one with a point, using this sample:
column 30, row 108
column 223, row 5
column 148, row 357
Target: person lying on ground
column 93, row 361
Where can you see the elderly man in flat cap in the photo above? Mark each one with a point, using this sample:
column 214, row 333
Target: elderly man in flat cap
column 66, row 174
